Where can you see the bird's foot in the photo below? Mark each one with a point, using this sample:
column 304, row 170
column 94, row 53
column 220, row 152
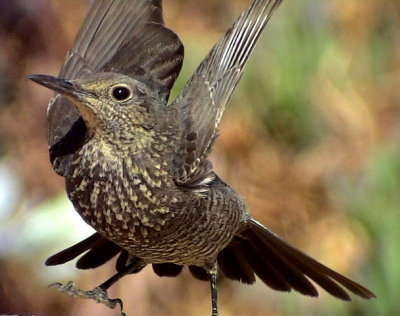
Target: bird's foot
column 98, row 294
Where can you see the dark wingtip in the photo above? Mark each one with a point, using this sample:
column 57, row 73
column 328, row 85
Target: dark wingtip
column 61, row 257
column 51, row 261
column 72, row 252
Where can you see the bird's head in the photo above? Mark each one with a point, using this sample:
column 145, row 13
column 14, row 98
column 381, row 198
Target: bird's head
column 112, row 105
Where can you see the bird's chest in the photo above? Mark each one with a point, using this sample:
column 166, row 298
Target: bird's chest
column 124, row 202
column 140, row 210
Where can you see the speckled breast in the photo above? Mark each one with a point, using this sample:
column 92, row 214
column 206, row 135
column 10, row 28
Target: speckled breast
column 139, row 210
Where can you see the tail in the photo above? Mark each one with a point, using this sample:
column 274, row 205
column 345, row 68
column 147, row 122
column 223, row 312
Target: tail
column 258, row 251
column 254, row 251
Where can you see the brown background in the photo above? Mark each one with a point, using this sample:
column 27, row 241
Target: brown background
column 310, row 140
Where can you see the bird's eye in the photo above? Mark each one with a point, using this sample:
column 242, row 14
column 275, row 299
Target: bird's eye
column 121, row 93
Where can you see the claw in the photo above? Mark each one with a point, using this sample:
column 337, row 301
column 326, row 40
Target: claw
column 98, row 294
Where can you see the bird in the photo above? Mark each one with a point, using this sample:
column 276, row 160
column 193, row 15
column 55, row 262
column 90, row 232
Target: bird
column 136, row 166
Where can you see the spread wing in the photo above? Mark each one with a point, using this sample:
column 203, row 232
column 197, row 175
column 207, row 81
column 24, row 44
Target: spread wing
column 203, row 100
column 125, row 36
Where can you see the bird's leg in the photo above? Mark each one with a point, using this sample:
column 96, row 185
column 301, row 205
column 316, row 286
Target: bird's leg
column 99, row 293
column 213, row 283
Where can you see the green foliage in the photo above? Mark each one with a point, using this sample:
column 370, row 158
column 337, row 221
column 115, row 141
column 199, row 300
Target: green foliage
column 375, row 203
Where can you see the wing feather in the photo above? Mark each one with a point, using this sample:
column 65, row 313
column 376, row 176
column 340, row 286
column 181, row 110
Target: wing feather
column 202, row 102
column 111, row 38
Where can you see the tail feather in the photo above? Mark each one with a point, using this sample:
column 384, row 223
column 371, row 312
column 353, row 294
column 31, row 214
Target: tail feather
column 293, row 265
column 255, row 250
column 234, row 266
column 265, row 270
column 324, row 281
column 283, row 266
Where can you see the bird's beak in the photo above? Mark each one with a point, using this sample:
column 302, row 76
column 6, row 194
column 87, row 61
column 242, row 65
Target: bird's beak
column 63, row 86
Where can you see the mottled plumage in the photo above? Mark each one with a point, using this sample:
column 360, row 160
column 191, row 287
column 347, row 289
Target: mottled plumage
column 136, row 168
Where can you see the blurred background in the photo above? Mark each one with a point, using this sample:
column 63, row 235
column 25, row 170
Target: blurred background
column 310, row 140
